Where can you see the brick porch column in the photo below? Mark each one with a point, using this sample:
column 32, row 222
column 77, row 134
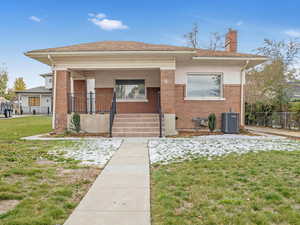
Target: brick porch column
column 167, row 98
column 62, row 88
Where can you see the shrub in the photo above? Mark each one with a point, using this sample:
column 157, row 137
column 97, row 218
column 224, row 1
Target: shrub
column 212, row 122
column 75, row 122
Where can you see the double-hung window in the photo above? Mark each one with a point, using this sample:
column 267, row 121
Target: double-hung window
column 204, row 86
column 131, row 90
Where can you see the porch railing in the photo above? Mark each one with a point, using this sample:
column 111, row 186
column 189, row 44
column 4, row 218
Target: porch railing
column 159, row 111
column 89, row 102
column 112, row 113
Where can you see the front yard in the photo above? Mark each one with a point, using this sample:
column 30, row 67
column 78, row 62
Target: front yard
column 38, row 188
column 208, row 183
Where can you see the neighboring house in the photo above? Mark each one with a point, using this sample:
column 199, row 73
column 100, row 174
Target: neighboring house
column 294, row 91
column 36, row 100
column 183, row 82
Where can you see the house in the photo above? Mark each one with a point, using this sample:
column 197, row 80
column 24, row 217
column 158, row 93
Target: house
column 294, row 91
column 37, row 100
column 150, row 87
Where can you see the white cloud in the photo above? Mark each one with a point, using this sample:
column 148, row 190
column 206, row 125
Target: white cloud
column 106, row 24
column 99, row 15
column 293, row 33
column 35, row 19
column 240, row 23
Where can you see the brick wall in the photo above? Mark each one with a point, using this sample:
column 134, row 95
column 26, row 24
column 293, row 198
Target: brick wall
column 186, row 110
column 167, row 91
column 80, row 95
column 61, row 99
column 104, row 97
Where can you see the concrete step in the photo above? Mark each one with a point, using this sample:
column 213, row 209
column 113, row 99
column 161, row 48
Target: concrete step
column 135, row 134
column 145, row 120
column 136, row 124
column 135, row 129
column 137, row 115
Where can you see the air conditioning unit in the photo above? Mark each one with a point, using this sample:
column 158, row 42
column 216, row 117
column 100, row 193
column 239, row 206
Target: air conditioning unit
column 230, row 123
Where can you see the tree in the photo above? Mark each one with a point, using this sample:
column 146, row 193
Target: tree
column 10, row 94
column 19, row 84
column 269, row 83
column 216, row 40
column 3, row 81
column 192, row 36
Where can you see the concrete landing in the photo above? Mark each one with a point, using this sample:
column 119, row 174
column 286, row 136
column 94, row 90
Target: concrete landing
column 121, row 193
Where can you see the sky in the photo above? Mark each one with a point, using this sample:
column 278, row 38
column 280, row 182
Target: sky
column 35, row 24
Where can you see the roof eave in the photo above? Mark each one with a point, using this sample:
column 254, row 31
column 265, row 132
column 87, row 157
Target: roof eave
column 81, row 53
column 235, row 58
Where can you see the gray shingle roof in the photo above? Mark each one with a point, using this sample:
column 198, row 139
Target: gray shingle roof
column 40, row 89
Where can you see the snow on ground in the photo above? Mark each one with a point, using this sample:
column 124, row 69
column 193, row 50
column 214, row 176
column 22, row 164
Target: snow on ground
column 172, row 150
column 91, row 151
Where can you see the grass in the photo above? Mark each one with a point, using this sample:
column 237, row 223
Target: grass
column 255, row 188
column 47, row 187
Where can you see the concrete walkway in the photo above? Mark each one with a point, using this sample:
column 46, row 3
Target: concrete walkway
column 121, row 193
column 273, row 131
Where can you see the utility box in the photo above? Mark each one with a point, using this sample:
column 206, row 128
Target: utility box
column 230, row 123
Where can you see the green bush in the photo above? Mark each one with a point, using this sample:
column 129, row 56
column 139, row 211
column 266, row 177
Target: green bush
column 212, row 122
column 75, row 122
column 295, row 108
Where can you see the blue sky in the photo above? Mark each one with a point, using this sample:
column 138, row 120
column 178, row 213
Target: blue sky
column 34, row 24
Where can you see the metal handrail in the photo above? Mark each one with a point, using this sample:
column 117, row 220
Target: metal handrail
column 113, row 111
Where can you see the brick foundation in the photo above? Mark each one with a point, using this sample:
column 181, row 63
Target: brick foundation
column 61, row 99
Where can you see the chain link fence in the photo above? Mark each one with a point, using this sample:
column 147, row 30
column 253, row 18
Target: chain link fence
column 284, row 120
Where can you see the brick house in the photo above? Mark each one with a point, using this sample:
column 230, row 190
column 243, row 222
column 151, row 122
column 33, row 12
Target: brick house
column 180, row 82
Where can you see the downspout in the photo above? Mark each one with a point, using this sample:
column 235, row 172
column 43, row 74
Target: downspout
column 52, row 64
column 242, row 93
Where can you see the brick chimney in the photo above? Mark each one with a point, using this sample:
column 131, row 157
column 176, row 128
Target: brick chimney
column 231, row 41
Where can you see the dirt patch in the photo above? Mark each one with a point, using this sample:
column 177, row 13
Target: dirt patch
column 75, row 175
column 7, row 205
column 44, row 162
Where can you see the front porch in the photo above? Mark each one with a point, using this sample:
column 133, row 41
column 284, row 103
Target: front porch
column 140, row 94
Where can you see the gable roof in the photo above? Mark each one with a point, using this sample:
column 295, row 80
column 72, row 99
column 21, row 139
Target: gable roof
column 111, row 46
column 40, row 89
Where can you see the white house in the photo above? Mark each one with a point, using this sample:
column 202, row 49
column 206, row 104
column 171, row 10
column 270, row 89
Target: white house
column 37, row 100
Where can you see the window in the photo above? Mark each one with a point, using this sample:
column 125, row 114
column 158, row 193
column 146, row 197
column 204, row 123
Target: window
column 204, row 86
column 34, row 101
column 130, row 89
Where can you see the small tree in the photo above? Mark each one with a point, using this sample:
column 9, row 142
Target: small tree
column 212, row 122
column 19, row 84
column 192, row 37
column 295, row 107
column 3, row 81
column 75, row 122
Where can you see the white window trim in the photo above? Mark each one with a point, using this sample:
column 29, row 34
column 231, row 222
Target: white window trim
column 131, row 100
column 189, row 98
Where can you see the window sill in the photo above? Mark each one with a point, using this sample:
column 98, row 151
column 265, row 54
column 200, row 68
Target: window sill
column 132, row 100
column 203, row 99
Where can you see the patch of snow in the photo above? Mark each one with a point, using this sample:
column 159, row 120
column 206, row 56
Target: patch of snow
column 174, row 150
column 91, row 151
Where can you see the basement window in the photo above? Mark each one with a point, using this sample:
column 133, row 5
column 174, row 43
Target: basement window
column 130, row 90
column 204, row 86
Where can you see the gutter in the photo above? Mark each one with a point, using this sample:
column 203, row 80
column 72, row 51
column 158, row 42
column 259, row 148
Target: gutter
column 242, row 93
column 237, row 58
column 52, row 63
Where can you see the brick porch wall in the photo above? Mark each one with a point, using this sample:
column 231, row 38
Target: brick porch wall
column 104, row 97
column 61, row 99
column 80, row 92
column 167, row 91
column 186, row 109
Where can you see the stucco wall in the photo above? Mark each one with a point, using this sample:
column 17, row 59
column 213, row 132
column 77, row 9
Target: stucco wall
column 231, row 73
column 92, row 123
column 106, row 78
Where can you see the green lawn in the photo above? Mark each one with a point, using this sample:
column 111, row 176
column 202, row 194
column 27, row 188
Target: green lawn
column 44, row 188
column 255, row 188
